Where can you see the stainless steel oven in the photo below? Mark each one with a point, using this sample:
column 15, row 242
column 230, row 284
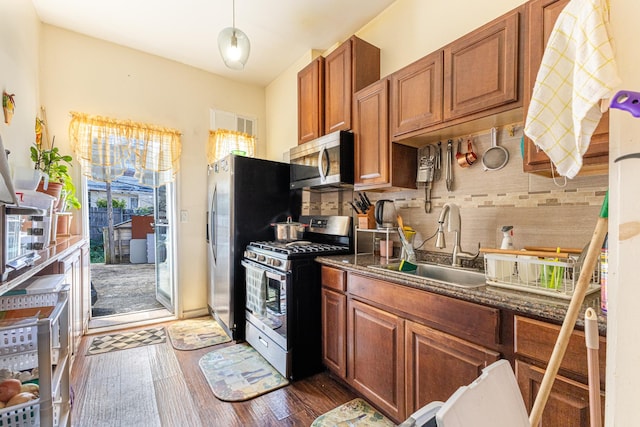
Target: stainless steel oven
column 283, row 318
column 266, row 313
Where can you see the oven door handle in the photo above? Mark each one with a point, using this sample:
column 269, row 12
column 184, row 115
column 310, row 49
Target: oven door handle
column 270, row 274
column 274, row 276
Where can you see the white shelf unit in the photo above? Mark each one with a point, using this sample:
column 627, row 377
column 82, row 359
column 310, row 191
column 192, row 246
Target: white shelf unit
column 43, row 343
column 387, row 232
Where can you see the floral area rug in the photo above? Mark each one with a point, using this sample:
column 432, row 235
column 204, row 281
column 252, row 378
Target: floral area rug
column 126, row 340
column 192, row 334
column 239, row 372
column 354, row 413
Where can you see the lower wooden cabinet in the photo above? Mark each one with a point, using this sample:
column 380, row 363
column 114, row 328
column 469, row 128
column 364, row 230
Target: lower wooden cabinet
column 402, row 348
column 85, row 289
column 334, row 329
column 375, row 357
column 372, row 340
column 437, row 364
column 568, row 403
column 71, row 267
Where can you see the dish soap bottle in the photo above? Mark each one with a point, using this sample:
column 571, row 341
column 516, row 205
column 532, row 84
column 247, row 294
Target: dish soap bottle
column 507, row 233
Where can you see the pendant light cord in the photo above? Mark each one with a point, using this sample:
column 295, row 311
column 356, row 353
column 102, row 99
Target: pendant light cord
column 234, row 14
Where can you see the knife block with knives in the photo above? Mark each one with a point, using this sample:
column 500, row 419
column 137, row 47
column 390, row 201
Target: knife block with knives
column 365, row 211
column 367, row 221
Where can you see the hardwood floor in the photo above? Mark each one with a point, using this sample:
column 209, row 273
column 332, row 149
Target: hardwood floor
column 159, row 386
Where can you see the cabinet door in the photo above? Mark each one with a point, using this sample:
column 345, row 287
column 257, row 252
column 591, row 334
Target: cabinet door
column 311, row 101
column 371, row 134
column 338, row 89
column 352, row 66
column 481, row 68
column 542, row 15
column 438, row 364
column 85, row 286
column 334, row 329
column 375, row 357
column 416, row 95
column 568, row 403
column 71, row 267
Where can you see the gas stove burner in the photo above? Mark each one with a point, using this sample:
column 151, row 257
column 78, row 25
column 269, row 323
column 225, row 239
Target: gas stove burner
column 298, row 242
column 298, row 247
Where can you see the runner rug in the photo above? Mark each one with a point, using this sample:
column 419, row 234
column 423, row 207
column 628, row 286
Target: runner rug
column 238, row 373
column 355, row 412
column 126, row 340
column 192, row 334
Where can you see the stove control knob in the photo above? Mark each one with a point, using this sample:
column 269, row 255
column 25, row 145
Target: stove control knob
column 261, row 258
column 250, row 254
column 276, row 262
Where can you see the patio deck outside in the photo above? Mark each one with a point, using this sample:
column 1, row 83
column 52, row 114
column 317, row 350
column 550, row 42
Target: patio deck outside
column 123, row 288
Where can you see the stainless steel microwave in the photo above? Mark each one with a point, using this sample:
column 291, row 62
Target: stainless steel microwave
column 22, row 230
column 323, row 164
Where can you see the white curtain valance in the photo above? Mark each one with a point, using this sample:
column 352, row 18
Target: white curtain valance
column 223, row 142
column 107, row 147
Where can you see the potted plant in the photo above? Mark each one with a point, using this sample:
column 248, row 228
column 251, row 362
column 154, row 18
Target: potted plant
column 56, row 167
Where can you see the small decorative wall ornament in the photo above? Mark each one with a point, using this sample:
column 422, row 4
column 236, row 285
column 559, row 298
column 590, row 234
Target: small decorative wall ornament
column 8, row 105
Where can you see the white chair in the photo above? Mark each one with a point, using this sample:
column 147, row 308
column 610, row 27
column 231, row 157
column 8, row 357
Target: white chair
column 492, row 400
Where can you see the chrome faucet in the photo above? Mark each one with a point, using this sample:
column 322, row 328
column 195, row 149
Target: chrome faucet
column 451, row 214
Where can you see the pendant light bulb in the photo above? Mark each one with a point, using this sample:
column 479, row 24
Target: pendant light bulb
column 234, row 46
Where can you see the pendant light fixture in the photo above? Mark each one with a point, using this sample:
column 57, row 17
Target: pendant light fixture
column 234, row 45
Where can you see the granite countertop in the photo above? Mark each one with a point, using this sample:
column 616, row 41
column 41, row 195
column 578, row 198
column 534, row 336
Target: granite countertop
column 524, row 303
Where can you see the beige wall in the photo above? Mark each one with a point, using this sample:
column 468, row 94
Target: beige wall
column 19, row 30
column 282, row 109
column 79, row 73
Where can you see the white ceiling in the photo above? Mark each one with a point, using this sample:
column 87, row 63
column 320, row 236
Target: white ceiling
column 280, row 31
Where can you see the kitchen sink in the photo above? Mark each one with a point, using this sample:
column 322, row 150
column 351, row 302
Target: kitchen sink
column 465, row 278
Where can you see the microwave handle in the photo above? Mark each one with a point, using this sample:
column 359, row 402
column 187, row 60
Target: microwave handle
column 324, row 171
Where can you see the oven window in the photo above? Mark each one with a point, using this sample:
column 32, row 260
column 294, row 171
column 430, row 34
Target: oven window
column 276, row 296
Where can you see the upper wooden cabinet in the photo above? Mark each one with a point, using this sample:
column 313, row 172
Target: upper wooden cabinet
column 354, row 65
column 378, row 162
column 326, row 88
column 371, row 137
column 416, row 95
column 474, row 77
column 311, row 101
column 481, row 68
column 542, row 15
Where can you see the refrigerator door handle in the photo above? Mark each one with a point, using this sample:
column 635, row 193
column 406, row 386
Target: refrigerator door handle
column 212, row 223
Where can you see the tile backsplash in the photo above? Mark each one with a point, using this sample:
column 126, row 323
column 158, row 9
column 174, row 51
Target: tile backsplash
column 543, row 211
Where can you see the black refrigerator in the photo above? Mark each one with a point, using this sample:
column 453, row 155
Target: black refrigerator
column 245, row 196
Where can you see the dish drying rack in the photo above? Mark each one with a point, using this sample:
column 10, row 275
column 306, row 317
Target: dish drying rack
column 545, row 276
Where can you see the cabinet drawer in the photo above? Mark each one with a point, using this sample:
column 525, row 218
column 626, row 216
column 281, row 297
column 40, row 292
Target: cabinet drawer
column 333, row 278
column 473, row 322
column 536, row 339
